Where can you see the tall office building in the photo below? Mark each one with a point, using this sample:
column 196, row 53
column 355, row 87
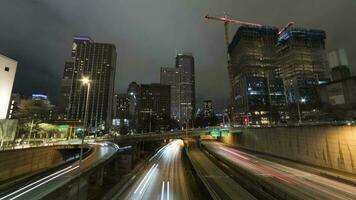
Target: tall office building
column 208, row 109
column 66, row 85
column 7, row 76
column 121, row 108
column 185, row 64
column 257, row 87
column 303, row 64
column 171, row 76
column 97, row 61
column 154, row 106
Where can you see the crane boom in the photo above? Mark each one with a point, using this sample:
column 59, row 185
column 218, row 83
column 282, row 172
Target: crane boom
column 229, row 20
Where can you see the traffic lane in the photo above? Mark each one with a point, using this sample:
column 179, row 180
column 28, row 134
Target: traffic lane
column 41, row 187
column 222, row 184
column 164, row 178
column 294, row 181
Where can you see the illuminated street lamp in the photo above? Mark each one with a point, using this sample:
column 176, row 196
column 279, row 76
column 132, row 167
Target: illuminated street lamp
column 302, row 100
column 85, row 81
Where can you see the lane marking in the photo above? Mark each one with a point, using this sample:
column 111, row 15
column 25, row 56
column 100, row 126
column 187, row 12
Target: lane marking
column 27, row 186
column 45, row 182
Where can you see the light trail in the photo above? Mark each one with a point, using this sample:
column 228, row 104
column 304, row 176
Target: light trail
column 144, row 185
column 44, row 182
column 162, row 191
column 29, row 185
column 168, row 190
column 144, row 178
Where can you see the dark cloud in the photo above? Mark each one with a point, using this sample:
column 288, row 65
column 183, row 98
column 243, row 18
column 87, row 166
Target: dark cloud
column 148, row 34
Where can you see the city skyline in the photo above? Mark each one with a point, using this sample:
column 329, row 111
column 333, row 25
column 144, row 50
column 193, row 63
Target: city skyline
column 198, row 36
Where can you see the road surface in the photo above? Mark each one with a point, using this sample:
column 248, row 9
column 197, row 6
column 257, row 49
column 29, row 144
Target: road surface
column 222, row 185
column 164, row 178
column 297, row 183
column 38, row 188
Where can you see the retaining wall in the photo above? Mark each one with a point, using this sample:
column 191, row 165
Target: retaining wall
column 20, row 162
column 325, row 146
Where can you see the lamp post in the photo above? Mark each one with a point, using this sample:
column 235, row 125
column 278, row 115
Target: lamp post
column 85, row 81
column 302, row 100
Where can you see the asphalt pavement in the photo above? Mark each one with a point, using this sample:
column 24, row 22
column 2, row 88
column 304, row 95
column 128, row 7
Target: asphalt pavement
column 220, row 184
column 40, row 187
column 165, row 177
column 295, row 182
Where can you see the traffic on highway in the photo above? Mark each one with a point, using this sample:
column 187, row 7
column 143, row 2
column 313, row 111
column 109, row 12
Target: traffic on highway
column 164, row 177
column 295, row 183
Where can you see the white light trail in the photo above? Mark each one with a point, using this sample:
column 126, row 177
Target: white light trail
column 44, row 182
column 162, row 192
column 42, row 179
column 144, row 178
column 144, row 185
column 167, row 190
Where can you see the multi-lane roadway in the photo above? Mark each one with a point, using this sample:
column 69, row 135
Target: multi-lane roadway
column 40, row 187
column 297, row 184
column 165, row 177
column 220, row 185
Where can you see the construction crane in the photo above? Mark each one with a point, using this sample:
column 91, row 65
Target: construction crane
column 227, row 21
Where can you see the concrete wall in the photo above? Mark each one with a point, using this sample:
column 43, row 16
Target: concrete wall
column 7, row 131
column 16, row 163
column 326, row 146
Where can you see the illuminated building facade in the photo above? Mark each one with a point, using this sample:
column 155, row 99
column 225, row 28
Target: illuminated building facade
column 208, row 109
column 185, row 64
column 97, row 61
column 257, row 86
column 171, row 76
column 7, row 76
column 154, row 106
column 302, row 60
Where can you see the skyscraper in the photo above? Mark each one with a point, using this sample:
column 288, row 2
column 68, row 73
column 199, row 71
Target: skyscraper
column 302, row 60
column 7, row 76
column 66, row 85
column 97, row 61
column 208, row 109
column 185, row 64
column 257, row 87
column 171, row 76
column 154, row 106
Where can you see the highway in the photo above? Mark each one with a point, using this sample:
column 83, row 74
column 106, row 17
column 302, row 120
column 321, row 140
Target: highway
column 38, row 188
column 221, row 185
column 296, row 183
column 164, row 178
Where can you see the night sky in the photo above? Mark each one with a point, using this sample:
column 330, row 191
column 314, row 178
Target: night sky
column 149, row 33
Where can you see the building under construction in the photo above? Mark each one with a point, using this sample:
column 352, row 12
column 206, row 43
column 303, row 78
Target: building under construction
column 303, row 63
column 271, row 70
column 256, row 83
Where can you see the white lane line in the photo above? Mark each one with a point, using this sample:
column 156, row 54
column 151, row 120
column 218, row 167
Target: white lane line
column 44, row 182
column 167, row 190
column 27, row 186
column 144, row 185
column 144, row 178
column 162, row 192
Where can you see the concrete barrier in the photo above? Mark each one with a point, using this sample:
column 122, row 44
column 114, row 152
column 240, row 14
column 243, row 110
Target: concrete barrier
column 325, row 146
column 22, row 162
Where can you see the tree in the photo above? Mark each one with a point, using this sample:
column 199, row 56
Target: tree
column 30, row 114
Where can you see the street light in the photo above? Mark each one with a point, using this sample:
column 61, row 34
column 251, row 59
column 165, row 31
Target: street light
column 85, row 81
column 302, row 100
